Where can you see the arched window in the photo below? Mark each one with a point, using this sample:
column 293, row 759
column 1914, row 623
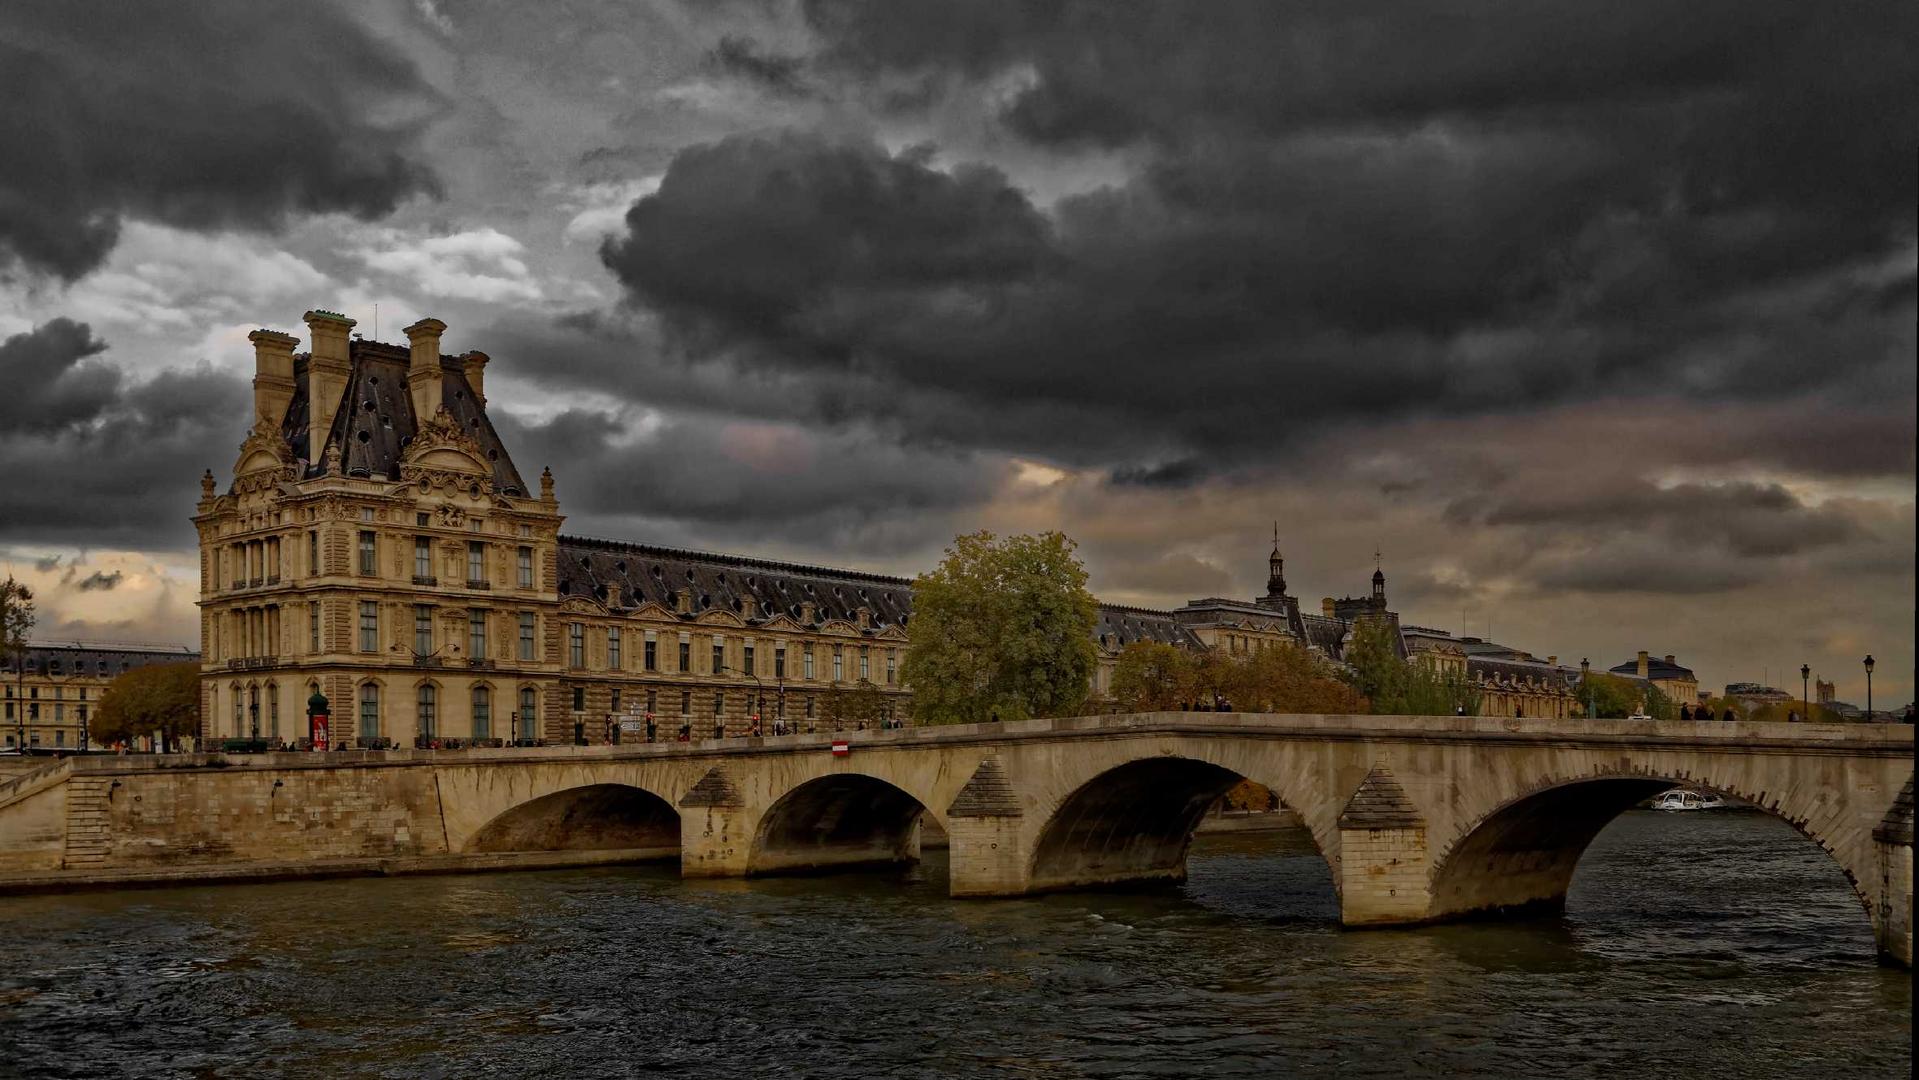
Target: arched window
column 239, row 712
column 529, row 713
column 482, row 713
column 273, row 709
column 429, row 698
column 369, row 710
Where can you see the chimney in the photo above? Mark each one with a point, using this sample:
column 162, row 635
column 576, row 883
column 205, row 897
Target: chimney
column 272, row 374
column 1642, row 663
column 809, row 613
column 1554, row 660
column 1671, row 661
column 423, row 379
column 1326, row 607
column 749, row 607
column 864, row 617
column 613, row 594
column 683, row 601
column 327, row 368
column 473, row 366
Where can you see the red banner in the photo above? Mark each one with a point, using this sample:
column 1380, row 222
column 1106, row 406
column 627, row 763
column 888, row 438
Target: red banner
column 316, row 731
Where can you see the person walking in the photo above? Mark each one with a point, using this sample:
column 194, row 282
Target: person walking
column 1730, row 716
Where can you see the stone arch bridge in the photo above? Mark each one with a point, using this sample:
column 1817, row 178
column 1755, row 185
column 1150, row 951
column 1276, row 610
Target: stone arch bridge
column 1421, row 819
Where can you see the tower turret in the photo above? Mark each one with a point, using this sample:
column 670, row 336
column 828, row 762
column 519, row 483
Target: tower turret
column 1275, row 568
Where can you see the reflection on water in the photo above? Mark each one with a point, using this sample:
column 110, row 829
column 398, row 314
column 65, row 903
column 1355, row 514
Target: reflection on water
column 1711, row 945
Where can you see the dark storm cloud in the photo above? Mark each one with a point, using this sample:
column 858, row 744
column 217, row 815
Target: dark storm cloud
column 1331, row 217
column 49, row 385
column 202, row 114
column 127, row 476
column 752, row 482
column 1742, row 519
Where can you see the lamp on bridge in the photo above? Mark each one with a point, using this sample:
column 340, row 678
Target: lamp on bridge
column 1869, row 686
column 1585, row 680
column 1805, row 698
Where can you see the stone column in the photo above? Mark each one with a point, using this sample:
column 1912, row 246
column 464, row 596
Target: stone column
column 1385, row 869
column 716, row 832
column 987, row 852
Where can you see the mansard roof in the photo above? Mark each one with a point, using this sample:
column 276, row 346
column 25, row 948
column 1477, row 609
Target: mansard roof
column 375, row 423
column 97, row 658
column 1328, row 634
column 648, row 573
column 1656, row 668
column 1509, row 670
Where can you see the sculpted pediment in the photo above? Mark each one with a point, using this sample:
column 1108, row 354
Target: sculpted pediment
column 891, row 633
column 719, row 617
column 581, row 605
column 839, row 628
column 782, row 623
column 653, row 611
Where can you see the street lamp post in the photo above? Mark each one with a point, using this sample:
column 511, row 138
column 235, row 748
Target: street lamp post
column 1586, row 680
column 1868, row 686
column 1805, row 692
column 516, row 727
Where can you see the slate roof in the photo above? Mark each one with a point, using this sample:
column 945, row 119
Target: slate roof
column 1656, row 668
column 375, row 423
column 648, row 572
column 97, row 658
column 1328, row 634
column 1508, row 670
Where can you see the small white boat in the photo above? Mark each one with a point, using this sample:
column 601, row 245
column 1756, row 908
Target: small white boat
column 1684, row 799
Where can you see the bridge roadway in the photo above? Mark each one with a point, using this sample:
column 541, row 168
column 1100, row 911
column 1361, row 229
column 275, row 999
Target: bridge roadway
column 1421, row 818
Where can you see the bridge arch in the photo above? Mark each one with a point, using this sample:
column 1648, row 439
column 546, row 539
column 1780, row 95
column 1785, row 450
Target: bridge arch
column 590, row 817
column 840, row 820
column 1520, row 855
column 1132, row 822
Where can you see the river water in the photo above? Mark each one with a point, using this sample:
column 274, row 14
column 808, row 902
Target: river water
column 1709, row 946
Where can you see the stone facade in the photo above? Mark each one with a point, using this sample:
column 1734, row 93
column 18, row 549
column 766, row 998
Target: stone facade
column 52, row 690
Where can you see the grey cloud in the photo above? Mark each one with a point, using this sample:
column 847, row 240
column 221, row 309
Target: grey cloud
column 48, row 564
column 741, row 57
column 129, row 477
column 207, row 114
column 49, row 383
column 100, row 581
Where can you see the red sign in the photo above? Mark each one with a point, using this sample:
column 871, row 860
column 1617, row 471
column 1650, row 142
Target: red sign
column 840, row 749
column 317, row 726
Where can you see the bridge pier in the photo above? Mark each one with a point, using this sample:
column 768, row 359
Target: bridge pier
column 1892, row 917
column 987, row 851
column 716, row 835
column 1385, row 868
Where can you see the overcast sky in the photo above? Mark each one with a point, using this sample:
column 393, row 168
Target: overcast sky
column 1596, row 319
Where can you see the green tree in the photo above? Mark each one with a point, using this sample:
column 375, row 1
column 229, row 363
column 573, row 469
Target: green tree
column 1402, row 687
column 1286, row 679
column 1001, row 629
column 864, row 705
column 162, row 698
column 1151, row 676
column 1613, row 697
column 16, row 624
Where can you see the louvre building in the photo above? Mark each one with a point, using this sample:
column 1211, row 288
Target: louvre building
column 379, row 546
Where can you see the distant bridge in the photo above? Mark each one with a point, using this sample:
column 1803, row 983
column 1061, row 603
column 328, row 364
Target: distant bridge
column 1421, row 819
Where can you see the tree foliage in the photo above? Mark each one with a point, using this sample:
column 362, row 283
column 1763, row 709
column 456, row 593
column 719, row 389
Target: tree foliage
column 16, row 617
column 1001, row 628
column 1150, row 676
column 1613, row 697
column 1395, row 686
column 162, row 698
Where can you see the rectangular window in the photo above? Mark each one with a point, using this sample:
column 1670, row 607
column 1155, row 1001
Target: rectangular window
column 719, row 654
column 779, row 661
column 746, row 658
column 313, row 553
column 839, row 671
column 652, row 700
column 613, row 648
column 369, row 553
column 422, row 560
column 525, row 564
column 482, row 713
column 366, row 513
column 476, row 634
column 719, row 704
column 686, row 702
column 526, row 530
column 809, row 706
column 475, row 562
column 615, row 707
column 423, row 629
column 806, row 657
column 579, row 699
column 866, row 673
column 526, row 635
column 652, row 651
column 369, row 626
column 576, row 645
column 313, row 627
column 369, row 711
column 892, row 666
column 686, row 652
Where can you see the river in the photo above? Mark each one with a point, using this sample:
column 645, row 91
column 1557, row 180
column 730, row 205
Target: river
column 1707, row 946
